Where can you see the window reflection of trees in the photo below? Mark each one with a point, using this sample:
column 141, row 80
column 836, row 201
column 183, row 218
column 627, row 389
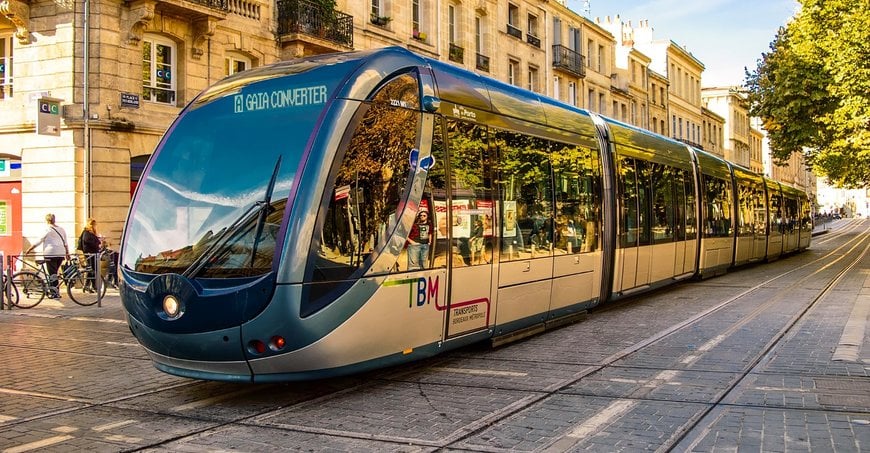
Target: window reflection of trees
column 576, row 173
column 524, row 176
column 471, row 186
column 370, row 183
column 718, row 204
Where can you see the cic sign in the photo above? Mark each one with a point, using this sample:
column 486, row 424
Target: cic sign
column 48, row 116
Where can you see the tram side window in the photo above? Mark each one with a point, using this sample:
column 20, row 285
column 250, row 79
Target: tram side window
column 718, row 207
column 760, row 214
column 691, row 205
column 577, row 178
column 791, row 214
column 745, row 212
column 435, row 197
column 806, row 216
column 663, row 202
column 644, row 198
column 629, row 207
column 524, row 172
column 471, row 211
column 679, row 205
column 776, row 220
column 369, row 185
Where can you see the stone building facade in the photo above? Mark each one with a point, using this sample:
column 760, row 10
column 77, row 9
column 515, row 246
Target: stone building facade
column 120, row 72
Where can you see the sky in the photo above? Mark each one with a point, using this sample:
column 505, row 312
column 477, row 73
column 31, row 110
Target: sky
column 725, row 35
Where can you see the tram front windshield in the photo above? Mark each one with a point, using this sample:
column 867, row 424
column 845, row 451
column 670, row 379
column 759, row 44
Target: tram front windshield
column 212, row 200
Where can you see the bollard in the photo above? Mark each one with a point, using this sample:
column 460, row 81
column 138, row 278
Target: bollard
column 4, row 295
column 98, row 279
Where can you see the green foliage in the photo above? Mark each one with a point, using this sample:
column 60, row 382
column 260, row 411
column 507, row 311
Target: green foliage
column 812, row 90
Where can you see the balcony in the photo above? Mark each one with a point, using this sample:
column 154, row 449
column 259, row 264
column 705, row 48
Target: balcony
column 299, row 20
column 568, row 60
column 457, row 54
column 514, row 31
column 690, row 143
column 482, row 63
column 216, row 9
column 533, row 40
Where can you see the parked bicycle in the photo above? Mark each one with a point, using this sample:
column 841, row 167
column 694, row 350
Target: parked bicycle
column 33, row 284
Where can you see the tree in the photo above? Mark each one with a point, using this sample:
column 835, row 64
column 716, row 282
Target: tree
column 812, row 90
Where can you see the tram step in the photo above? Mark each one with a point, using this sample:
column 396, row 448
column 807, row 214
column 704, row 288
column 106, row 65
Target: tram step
column 537, row 328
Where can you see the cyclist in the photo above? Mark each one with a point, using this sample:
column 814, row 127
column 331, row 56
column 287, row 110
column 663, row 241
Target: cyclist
column 55, row 250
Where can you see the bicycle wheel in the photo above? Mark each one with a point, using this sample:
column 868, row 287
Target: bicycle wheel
column 31, row 289
column 12, row 295
column 81, row 291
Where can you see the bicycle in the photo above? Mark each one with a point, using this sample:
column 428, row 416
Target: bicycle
column 33, row 284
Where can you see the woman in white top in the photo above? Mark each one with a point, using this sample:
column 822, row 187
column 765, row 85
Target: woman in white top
column 55, row 250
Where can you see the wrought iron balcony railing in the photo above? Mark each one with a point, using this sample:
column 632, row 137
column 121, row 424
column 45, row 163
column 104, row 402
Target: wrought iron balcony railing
column 457, row 54
column 514, row 31
column 305, row 17
column 533, row 40
column 222, row 5
column 482, row 62
column 568, row 60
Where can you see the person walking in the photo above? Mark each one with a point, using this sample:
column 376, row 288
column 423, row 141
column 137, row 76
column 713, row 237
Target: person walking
column 89, row 242
column 54, row 249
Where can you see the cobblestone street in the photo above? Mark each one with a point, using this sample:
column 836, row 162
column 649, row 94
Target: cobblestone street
column 773, row 357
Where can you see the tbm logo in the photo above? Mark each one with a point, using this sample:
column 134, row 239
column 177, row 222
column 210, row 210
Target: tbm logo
column 421, row 291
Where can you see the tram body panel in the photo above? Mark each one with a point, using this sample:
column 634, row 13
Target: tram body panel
column 573, row 289
column 471, row 299
column 577, row 279
column 408, row 310
column 525, row 304
column 661, row 259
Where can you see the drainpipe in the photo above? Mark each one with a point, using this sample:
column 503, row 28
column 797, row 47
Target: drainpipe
column 86, row 109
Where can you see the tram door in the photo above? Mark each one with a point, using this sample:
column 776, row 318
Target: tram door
column 466, row 224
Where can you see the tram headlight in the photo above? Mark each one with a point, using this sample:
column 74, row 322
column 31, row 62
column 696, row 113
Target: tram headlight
column 171, row 306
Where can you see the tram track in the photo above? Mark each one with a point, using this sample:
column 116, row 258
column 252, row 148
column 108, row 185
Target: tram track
column 837, row 261
column 623, row 405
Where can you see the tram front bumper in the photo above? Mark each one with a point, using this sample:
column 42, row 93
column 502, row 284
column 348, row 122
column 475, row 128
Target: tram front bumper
column 216, row 355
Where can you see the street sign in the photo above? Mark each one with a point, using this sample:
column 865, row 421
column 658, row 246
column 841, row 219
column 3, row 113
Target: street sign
column 48, row 116
column 130, row 100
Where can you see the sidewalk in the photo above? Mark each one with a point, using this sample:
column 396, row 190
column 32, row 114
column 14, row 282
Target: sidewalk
column 108, row 309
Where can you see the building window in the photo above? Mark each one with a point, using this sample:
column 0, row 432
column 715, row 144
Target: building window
column 601, row 59
column 556, row 91
column 590, row 52
column 158, row 70
column 513, row 14
column 478, row 34
column 533, row 78
column 234, row 63
column 416, row 18
column 513, row 72
column 572, row 94
column 451, row 24
column 533, row 25
column 590, row 99
column 602, row 103
column 5, row 67
column 378, row 8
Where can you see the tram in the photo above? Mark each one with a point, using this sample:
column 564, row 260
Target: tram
column 344, row 212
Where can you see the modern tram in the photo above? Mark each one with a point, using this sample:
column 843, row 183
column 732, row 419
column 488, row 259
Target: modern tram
column 344, row 212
